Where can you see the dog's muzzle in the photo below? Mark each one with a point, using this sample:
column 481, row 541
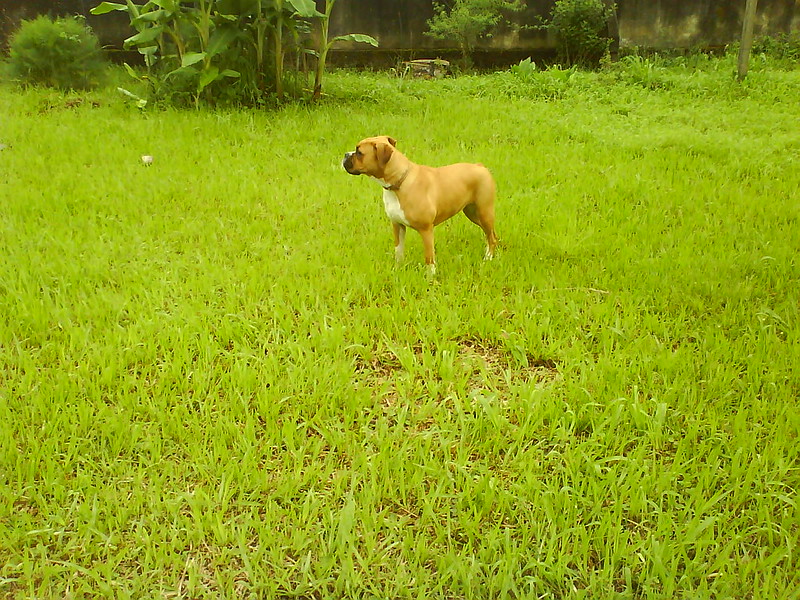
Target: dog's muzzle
column 347, row 163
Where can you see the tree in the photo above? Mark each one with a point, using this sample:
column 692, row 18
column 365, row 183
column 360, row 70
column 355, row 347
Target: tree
column 581, row 30
column 467, row 21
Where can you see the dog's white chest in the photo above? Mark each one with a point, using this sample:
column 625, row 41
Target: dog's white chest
column 394, row 211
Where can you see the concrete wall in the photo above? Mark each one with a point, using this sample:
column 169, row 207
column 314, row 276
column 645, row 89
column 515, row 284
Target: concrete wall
column 399, row 25
column 699, row 23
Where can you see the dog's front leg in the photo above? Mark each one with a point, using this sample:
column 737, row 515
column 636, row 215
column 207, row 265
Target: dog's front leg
column 399, row 241
column 427, row 243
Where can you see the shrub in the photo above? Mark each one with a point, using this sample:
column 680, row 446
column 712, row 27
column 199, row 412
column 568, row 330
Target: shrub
column 581, row 30
column 784, row 46
column 467, row 21
column 62, row 53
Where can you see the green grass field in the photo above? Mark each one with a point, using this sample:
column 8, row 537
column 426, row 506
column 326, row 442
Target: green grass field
column 215, row 383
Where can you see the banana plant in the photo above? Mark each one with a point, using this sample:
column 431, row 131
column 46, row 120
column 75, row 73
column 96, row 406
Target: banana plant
column 284, row 16
column 325, row 45
column 213, row 39
column 159, row 19
column 149, row 21
column 266, row 22
column 205, row 37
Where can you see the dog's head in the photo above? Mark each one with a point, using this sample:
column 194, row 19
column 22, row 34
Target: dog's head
column 370, row 156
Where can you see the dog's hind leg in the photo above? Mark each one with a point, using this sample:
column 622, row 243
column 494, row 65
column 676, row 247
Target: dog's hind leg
column 485, row 220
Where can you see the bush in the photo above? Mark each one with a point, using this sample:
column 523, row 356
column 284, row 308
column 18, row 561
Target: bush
column 467, row 21
column 581, row 29
column 784, row 46
column 62, row 53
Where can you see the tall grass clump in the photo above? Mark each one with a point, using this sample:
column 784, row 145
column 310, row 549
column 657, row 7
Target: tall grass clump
column 62, row 53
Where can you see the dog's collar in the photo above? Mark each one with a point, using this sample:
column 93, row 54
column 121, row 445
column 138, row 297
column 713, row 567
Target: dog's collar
column 396, row 186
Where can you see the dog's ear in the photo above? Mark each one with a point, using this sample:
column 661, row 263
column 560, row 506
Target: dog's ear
column 384, row 153
column 392, row 141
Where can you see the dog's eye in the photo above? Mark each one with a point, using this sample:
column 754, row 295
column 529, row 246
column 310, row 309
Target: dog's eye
column 358, row 152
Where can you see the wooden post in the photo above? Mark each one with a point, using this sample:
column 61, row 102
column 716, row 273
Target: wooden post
column 747, row 38
column 613, row 29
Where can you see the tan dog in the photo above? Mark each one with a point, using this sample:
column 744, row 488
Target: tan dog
column 421, row 197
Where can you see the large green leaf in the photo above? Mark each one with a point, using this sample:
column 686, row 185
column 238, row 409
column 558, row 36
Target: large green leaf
column 221, row 39
column 191, row 58
column 154, row 16
column 207, row 77
column 133, row 10
column 144, row 37
column 190, row 69
column 356, row 37
column 107, row 7
column 306, row 9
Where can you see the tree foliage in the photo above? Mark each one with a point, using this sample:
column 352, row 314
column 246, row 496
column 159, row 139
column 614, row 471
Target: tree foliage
column 581, row 30
column 465, row 22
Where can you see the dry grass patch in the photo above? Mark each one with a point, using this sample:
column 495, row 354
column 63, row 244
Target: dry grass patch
column 465, row 367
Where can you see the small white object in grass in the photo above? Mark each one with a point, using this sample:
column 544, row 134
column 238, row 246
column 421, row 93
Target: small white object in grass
column 147, row 159
column 3, row 146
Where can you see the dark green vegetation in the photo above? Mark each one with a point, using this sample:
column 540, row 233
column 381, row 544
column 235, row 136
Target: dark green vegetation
column 61, row 53
column 464, row 22
column 214, row 383
column 228, row 51
column 581, row 29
